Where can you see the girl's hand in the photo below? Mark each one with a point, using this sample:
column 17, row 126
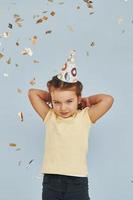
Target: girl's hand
column 85, row 102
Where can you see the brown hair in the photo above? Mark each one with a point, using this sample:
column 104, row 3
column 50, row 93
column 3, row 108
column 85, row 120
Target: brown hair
column 58, row 84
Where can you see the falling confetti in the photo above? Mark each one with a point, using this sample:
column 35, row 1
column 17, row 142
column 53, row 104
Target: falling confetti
column 20, row 114
column 27, row 51
column 18, row 20
column 18, row 149
column 34, row 39
column 89, row 4
column 16, row 65
column 33, row 81
column 1, row 55
column 29, row 163
column 10, row 26
column 78, row 7
column 12, row 145
column 19, row 90
column 49, row 31
column 92, row 44
column 5, row 34
column 17, row 43
column 41, row 20
column 8, row 61
column 35, row 61
column 52, row 13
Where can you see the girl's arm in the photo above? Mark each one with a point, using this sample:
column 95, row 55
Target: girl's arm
column 39, row 100
column 99, row 104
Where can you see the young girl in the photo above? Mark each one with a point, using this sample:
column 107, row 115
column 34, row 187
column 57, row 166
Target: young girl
column 68, row 117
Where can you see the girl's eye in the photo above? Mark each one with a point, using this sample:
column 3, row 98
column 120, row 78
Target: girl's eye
column 69, row 101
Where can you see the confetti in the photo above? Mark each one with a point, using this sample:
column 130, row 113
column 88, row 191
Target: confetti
column 18, row 20
column 41, row 20
column 8, row 61
column 1, row 55
column 34, row 39
column 5, row 34
column 29, row 163
column 35, row 61
column 78, row 7
column 89, row 4
column 19, row 90
column 16, row 65
column 33, row 81
column 17, row 43
column 18, row 149
column 49, row 31
column 12, row 145
column 10, row 26
column 92, row 44
column 27, row 51
column 20, row 114
column 52, row 13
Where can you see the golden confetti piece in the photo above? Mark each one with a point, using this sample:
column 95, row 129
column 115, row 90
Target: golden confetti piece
column 20, row 114
column 92, row 44
column 44, row 17
column 52, row 13
column 8, row 61
column 120, row 20
column 1, row 55
column 12, row 145
column 5, row 74
column 41, row 20
column 5, row 34
column 49, row 31
column 70, row 28
column 33, row 81
column 35, row 61
column 34, row 39
column 27, row 51
column 19, row 90
column 18, row 20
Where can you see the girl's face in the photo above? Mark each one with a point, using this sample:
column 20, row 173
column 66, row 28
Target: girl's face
column 65, row 102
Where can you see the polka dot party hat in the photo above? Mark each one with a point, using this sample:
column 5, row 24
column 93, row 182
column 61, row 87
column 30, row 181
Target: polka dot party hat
column 68, row 72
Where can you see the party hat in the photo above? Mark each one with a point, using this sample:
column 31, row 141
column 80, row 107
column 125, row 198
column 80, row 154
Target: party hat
column 68, row 72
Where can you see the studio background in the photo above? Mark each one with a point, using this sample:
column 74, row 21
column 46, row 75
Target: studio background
column 102, row 38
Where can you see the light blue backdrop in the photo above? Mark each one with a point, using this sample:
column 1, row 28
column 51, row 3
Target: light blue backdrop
column 106, row 67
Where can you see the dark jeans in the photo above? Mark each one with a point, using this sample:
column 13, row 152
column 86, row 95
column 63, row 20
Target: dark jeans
column 62, row 187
